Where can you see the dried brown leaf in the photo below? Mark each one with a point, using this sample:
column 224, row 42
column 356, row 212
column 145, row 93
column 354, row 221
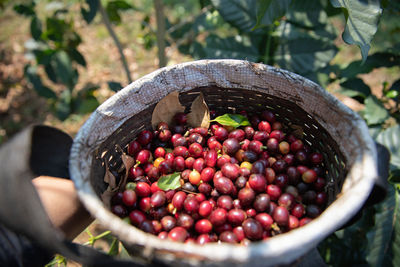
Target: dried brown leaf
column 128, row 162
column 112, row 186
column 297, row 131
column 199, row 115
column 166, row 109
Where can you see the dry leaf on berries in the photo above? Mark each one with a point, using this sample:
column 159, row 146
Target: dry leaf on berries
column 166, row 109
column 297, row 131
column 199, row 115
column 128, row 162
column 110, row 179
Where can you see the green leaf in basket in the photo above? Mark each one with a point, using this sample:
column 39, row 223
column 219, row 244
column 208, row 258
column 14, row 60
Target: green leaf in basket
column 234, row 120
column 170, row 182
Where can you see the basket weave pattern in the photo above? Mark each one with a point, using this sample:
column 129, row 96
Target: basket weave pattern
column 230, row 86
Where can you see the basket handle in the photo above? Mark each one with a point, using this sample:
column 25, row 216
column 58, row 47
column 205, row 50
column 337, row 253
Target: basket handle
column 41, row 150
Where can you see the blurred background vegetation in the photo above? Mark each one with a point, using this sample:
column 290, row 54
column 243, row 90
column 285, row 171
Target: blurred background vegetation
column 60, row 59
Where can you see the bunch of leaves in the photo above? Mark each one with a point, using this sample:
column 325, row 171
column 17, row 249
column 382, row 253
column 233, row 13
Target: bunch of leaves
column 54, row 50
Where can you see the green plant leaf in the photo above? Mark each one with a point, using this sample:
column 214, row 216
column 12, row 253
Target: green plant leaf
column 270, row 10
column 302, row 51
column 36, row 81
column 62, row 66
column 385, row 236
column 169, row 182
column 90, row 14
column 307, row 13
column 234, row 120
column 113, row 8
column 241, row 14
column 374, row 112
column 25, row 9
column 377, row 60
column 114, row 247
column 394, row 176
column 76, row 56
column 229, row 47
column 362, row 21
column 355, row 88
column 36, row 28
column 63, row 106
column 114, row 86
column 390, row 138
column 87, row 105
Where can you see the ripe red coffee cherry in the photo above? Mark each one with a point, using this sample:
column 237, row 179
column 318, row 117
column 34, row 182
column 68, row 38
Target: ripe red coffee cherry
column 236, row 216
column 309, row 176
column 178, row 234
column 264, row 126
column 143, row 156
column 230, row 170
column 298, row 210
column 246, row 196
column 265, row 220
column 137, row 217
column 158, row 199
column 129, row 197
column 218, row 216
column 181, row 151
column 205, row 208
column 274, row 191
column 230, row 146
column 178, row 199
column 223, row 185
column 134, row 147
column 237, row 134
column 207, row 174
column 145, row 137
column 257, row 182
column 185, row 220
column 195, row 150
column 211, row 158
column 252, row 229
column 143, row 189
column 296, row 145
column 203, row 239
column 281, row 216
column 228, row 237
column 203, row 226
column 225, row 202
column 191, row 205
column 221, row 133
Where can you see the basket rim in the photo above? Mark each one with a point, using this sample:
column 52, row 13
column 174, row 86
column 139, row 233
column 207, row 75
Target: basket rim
column 273, row 248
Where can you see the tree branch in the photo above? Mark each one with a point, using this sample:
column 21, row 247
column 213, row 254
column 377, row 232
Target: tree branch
column 108, row 25
column 160, row 17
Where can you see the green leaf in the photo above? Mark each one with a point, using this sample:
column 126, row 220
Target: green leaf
column 241, row 14
column 25, row 9
column 62, row 66
column 394, row 176
column 234, row 120
column 113, row 8
column 114, row 248
column 362, row 21
column 385, row 236
column 170, row 182
column 229, row 47
column 87, row 105
column 307, row 13
column 76, row 56
column 90, row 14
column 36, row 81
column 376, row 60
column 302, row 51
column 392, row 94
column 390, row 138
column 114, row 86
column 36, row 28
column 354, row 88
column 374, row 112
column 270, row 10
column 63, row 106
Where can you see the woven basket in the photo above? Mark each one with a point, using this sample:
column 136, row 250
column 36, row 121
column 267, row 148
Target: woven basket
column 228, row 86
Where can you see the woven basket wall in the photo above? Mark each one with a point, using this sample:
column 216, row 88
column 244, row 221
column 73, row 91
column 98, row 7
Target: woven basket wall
column 229, row 86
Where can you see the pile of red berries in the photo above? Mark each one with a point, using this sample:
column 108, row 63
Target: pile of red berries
column 223, row 183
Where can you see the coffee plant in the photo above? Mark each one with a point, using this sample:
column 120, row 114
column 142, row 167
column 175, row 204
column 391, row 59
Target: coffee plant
column 301, row 36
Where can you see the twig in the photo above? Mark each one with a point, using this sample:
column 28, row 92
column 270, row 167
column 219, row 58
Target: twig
column 160, row 17
column 108, row 25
